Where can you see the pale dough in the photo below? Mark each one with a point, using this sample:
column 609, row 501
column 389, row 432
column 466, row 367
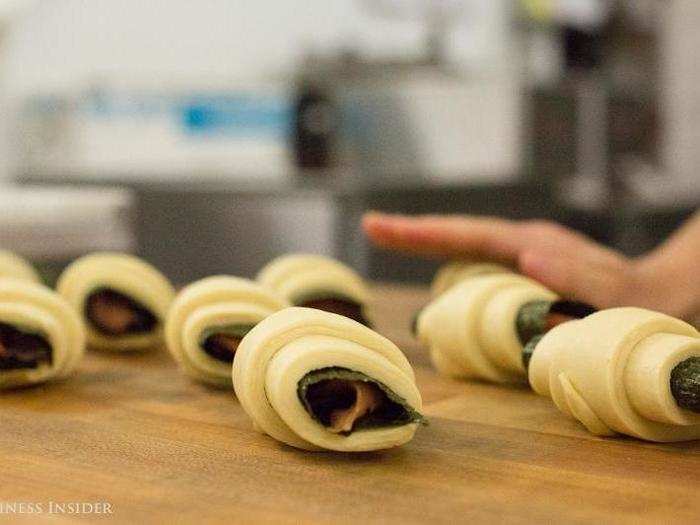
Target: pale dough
column 455, row 272
column 208, row 303
column 284, row 347
column 35, row 308
column 611, row 371
column 299, row 277
column 471, row 329
column 12, row 265
column 125, row 274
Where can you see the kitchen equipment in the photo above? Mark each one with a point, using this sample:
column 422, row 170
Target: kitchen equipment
column 134, row 133
column 415, row 121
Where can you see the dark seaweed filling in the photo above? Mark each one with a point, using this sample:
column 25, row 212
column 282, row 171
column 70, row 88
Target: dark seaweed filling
column 103, row 304
column 20, row 350
column 538, row 317
column 337, row 305
column 221, row 347
column 529, row 350
column 572, row 309
column 221, row 342
column 326, row 390
column 414, row 323
column 685, row 384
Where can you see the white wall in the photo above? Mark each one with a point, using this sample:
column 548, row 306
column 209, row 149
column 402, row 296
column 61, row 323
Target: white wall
column 66, row 45
column 64, row 42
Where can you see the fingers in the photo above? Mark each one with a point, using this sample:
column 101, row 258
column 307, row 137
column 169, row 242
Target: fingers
column 447, row 236
column 571, row 264
column 581, row 277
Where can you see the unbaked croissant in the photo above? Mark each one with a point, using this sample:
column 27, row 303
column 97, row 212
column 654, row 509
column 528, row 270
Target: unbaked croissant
column 454, row 272
column 12, row 265
column 314, row 281
column 317, row 380
column 472, row 330
column 625, row 370
column 123, row 300
column 41, row 336
column 209, row 318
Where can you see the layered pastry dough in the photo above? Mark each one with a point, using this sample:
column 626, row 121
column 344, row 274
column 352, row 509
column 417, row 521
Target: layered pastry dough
column 318, row 282
column 317, row 380
column 611, row 371
column 12, row 265
column 41, row 336
column 208, row 320
column 123, row 300
column 455, row 272
column 471, row 330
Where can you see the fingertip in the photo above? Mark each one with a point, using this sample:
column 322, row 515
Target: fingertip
column 372, row 215
column 373, row 223
column 369, row 219
column 377, row 217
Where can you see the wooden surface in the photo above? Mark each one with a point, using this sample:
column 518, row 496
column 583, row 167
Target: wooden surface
column 130, row 430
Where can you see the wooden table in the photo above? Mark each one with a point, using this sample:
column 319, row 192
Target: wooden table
column 131, row 431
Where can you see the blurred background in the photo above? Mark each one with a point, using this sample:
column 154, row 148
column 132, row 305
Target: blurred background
column 211, row 136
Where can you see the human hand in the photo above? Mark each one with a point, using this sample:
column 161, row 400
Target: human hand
column 567, row 262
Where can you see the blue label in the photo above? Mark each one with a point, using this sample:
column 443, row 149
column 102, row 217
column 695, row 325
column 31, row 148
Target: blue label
column 238, row 115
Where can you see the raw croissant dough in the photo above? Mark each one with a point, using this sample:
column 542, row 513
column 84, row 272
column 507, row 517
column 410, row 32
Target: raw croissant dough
column 37, row 310
column 12, row 265
column 281, row 350
column 126, row 275
column 455, row 272
column 300, row 277
column 611, row 371
column 221, row 301
column 471, row 330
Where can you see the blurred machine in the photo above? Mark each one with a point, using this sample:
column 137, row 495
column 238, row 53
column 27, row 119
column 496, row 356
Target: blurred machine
column 138, row 133
column 231, row 178
column 226, row 177
column 418, row 122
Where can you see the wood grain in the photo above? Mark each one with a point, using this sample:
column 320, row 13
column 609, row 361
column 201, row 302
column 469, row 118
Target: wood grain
column 132, row 431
